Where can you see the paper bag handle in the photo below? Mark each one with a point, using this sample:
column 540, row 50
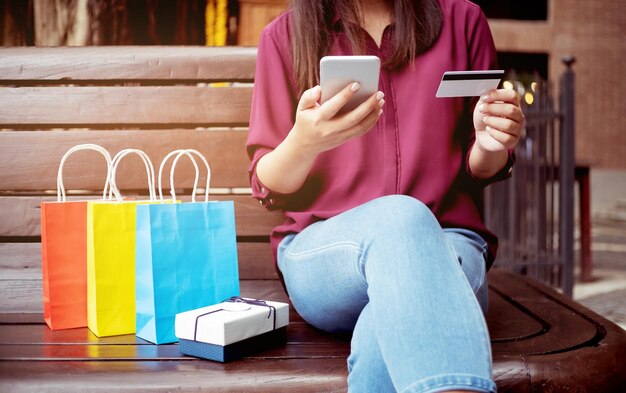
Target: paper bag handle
column 164, row 161
column 149, row 172
column 87, row 146
column 208, row 174
column 179, row 153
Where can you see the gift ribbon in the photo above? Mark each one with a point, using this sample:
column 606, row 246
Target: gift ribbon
column 238, row 299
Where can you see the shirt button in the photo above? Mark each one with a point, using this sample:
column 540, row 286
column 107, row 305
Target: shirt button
column 271, row 201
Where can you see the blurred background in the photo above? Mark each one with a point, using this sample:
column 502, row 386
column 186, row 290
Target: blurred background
column 532, row 38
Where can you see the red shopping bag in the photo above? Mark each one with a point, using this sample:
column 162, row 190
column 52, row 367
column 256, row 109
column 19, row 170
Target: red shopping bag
column 64, row 253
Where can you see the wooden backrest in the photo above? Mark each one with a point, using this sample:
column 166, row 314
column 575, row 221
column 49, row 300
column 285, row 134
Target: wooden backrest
column 156, row 99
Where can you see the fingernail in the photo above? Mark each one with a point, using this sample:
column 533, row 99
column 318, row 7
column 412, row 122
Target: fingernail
column 485, row 119
column 380, row 95
column 381, row 103
column 484, row 98
column 380, row 112
column 355, row 86
column 481, row 107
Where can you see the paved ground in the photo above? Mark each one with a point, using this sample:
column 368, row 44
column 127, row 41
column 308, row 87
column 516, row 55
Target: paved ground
column 606, row 294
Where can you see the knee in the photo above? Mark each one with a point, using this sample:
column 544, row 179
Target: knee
column 404, row 213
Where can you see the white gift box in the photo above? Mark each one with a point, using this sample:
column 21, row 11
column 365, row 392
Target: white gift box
column 231, row 329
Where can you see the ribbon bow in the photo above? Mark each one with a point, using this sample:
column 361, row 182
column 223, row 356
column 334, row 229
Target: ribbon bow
column 238, row 299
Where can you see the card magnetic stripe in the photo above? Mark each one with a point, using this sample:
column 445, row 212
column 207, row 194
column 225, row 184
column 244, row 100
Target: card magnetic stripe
column 472, row 76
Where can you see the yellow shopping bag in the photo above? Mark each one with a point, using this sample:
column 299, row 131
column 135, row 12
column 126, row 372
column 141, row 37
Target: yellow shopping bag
column 111, row 257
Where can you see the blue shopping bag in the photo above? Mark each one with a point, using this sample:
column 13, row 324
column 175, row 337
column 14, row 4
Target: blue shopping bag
column 186, row 257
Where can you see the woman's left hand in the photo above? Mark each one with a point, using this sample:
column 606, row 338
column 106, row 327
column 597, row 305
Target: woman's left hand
column 498, row 120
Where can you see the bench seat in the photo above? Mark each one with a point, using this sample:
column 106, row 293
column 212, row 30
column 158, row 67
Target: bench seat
column 541, row 341
column 163, row 98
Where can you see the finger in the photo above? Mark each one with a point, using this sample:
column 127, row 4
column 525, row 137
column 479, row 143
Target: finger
column 372, row 105
column 505, row 110
column 309, row 98
column 335, row 103
column 502, row 124
column 363, row 126
column 506, row 139
column 503, row 95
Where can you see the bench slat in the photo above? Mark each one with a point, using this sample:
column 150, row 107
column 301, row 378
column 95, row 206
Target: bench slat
column 564, row 328
column 22, row 261
column 103, row 107
column 78, row 352
column 25, row 151
column 508, row 323
column 25, row 296
column 21, row 296
column 250, row 375
column 297, row 333
column 161, row 63
column 20, row 216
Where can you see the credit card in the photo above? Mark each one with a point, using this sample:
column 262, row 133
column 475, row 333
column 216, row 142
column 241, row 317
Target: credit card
column 468, row 83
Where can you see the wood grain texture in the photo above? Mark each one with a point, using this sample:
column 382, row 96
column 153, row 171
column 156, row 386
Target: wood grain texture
column 508, row 323
column 22, row 261
column 103, row 106
column 590, row 367
column 567, row 330
column 105, row 64
column 249, row 375
column 297, row 333
column 78, row 352
column 25, row 296
column 30, row 159
column 21, row 296
column 20, row 215
column 253, row 288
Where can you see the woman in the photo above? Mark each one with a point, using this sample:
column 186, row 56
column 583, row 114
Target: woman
column 383, row 232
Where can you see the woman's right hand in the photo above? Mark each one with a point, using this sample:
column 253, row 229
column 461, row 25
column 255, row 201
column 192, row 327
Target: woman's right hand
column 318, row 129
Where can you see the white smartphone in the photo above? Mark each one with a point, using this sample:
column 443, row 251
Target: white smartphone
column 336, row 72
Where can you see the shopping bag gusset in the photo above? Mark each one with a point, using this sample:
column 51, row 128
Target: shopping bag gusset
column 111, row 256
column 186, row 256
column 64, row 252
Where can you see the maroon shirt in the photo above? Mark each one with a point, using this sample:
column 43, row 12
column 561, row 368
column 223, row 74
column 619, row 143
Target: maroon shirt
column 419, row 146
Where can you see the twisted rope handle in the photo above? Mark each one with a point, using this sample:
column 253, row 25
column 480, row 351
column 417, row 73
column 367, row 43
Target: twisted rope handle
column 87, row 146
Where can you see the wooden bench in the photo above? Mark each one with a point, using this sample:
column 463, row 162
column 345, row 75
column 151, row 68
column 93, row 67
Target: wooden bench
column 161, row 98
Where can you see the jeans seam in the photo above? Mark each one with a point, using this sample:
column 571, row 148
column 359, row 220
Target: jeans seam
column 357, row 266
column 361, row 272
column 322, row 248
column 451, row 380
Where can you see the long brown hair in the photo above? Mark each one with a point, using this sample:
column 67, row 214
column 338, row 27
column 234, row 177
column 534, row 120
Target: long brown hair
column 417, row 27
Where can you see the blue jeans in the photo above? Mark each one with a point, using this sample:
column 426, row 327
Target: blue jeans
column 410, row 291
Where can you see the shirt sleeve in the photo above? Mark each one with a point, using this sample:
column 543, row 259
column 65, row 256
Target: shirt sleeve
column 273, row 106
column 482, row 56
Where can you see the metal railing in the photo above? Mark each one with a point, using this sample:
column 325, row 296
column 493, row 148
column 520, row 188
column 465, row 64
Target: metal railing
column 533, row 212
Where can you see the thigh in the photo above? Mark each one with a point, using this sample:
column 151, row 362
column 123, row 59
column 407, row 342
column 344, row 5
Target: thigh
column 320, row 269
column 324, row 265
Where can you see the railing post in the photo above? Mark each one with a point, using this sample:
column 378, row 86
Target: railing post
column 566, row 176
